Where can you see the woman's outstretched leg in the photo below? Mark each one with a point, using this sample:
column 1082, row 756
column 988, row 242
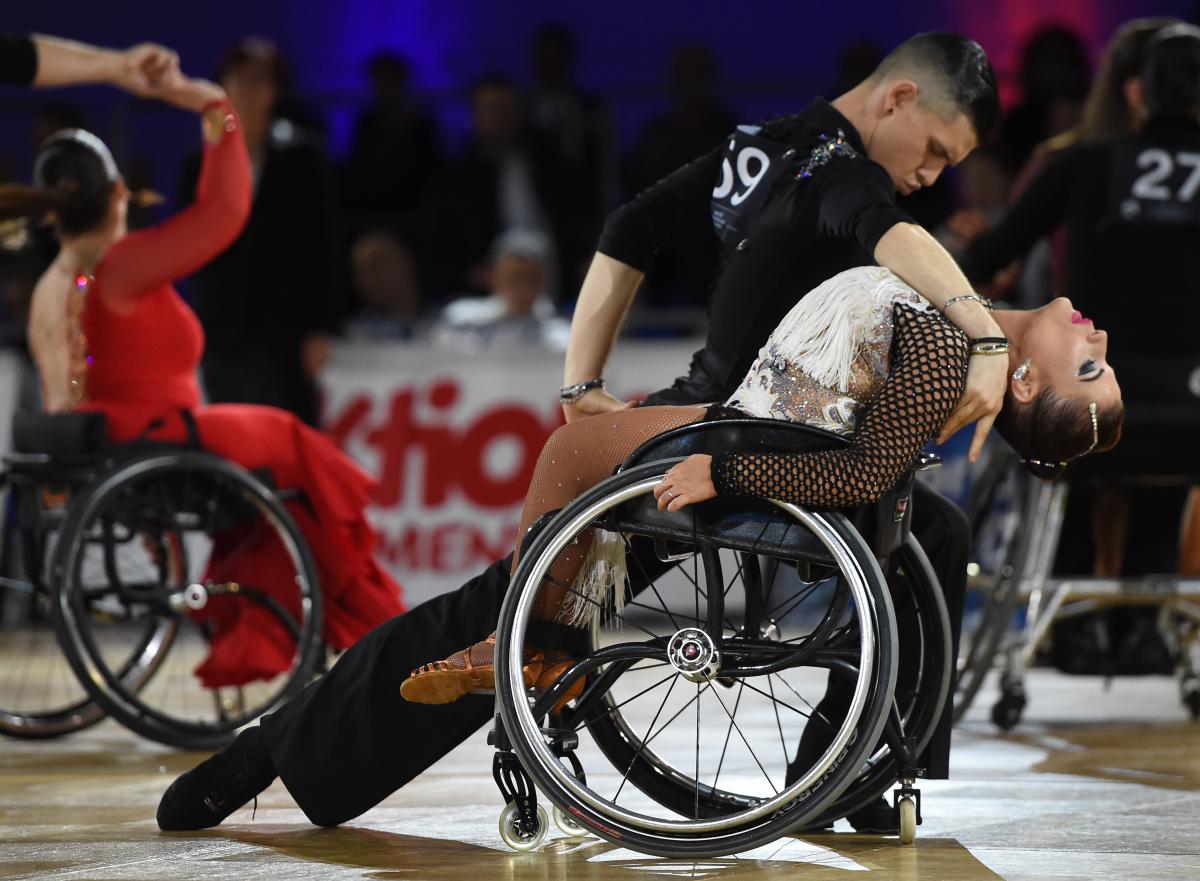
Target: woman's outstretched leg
column 576, row 457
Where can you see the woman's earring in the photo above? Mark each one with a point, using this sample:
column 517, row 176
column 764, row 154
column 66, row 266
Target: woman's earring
column 1020, row 372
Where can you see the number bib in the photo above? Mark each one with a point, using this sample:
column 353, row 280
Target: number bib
column 1154, row 184
column 749, row 168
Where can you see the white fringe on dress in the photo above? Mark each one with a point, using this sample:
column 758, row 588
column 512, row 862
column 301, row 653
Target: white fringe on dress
column 601, row 579
column 823, row 332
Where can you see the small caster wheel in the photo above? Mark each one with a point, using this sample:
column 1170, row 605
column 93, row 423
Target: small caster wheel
column 1191, row 699
column 1007, row 711
column 908, row 820
column 567, row 824
column 522, row 839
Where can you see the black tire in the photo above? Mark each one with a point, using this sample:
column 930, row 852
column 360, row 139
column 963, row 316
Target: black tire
column 921, row 708
column 725, row 822
column 166, row 512
column 40, row 696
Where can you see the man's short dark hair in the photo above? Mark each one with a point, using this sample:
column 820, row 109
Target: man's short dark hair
column 954, row 75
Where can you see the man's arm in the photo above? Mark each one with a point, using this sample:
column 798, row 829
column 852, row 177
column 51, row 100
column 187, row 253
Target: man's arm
column 66, row 63
column 604, row 300
column 673, row 210
column 919, row 259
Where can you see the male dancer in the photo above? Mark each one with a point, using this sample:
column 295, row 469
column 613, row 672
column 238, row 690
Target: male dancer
column 788, row 205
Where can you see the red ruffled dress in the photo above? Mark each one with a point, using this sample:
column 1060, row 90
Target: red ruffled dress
column 135, row 356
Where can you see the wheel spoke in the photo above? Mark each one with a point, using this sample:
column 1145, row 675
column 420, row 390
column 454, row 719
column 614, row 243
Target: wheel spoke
column 646, row 740
column 737, row 728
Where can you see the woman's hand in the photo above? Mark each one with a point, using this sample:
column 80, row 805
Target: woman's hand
column 987, row 381
column 596, row 401
column 180, row 90
column 687, row 483
column 140, row 68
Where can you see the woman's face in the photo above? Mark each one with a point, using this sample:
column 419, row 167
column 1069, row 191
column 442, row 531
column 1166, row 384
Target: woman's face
column 1069, row 354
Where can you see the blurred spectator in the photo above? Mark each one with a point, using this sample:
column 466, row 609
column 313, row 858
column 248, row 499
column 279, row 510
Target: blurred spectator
column 266, row 303
column 506, row 178
column 695, row 122
column 395, row 152
column 1054, row 80
column 386, row 286
column 519, row 312
column 577, row 123
column 52, row 117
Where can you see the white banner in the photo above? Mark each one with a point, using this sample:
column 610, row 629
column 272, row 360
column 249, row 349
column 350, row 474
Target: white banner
column 452, row 440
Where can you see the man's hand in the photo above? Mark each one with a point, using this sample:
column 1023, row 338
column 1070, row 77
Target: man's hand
column 687, row 483
column 140, row 68
column 987, row 381
column 596, row 401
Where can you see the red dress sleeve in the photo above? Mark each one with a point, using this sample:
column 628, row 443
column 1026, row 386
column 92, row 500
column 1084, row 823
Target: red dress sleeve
column 145, row 260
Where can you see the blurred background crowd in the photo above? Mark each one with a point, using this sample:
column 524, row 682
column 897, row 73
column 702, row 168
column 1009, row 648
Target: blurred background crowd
column 456, row 197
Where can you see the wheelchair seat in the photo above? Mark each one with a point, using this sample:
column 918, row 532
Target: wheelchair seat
column 885, row 524
column 746, row 434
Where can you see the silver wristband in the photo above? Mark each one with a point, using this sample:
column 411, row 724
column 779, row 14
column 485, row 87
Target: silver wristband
column 569, row 394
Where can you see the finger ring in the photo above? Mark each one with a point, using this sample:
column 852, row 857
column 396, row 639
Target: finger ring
column 671, row 494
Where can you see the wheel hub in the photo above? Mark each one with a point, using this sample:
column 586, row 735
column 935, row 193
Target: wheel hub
column 692, row 653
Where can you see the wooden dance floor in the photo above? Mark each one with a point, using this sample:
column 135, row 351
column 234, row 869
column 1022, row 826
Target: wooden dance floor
column 1095, row 784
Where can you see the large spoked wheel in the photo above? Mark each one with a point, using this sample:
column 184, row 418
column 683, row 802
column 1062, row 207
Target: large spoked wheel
column 164, row 554
column 40, row 696
column 700, row 687
column 924, row 674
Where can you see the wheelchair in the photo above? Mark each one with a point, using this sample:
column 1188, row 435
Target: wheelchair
column 1017, row 523
column 700, row 729
column 129, row 556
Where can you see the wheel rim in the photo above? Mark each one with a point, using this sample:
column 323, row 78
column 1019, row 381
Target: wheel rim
column 157, row 562
column 755, row 810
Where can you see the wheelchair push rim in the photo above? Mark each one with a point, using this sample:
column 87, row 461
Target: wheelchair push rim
column 174, row 535
column 755, row 817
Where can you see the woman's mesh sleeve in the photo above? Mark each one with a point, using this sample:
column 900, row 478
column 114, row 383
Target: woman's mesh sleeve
column 928, row 372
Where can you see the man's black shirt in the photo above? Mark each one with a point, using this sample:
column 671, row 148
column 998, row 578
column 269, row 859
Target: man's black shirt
column 1131, row 205
column 809, row 229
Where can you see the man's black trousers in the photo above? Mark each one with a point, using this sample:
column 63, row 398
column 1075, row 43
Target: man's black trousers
column 349, row 740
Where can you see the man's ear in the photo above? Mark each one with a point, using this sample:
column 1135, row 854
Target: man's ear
column 899, row 95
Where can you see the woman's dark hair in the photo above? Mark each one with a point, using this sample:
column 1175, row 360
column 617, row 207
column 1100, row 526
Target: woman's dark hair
column 73, row 177
column 1171, row 72
column 1052, row 430
column 1105, row 111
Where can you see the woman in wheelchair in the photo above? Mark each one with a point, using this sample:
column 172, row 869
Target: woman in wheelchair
column 863, row 355
column 110, row 335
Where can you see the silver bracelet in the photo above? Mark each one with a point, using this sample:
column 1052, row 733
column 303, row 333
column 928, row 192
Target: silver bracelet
column 569, row 394
column 976, row 297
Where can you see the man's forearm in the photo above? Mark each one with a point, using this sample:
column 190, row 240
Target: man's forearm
column 919, row 259
column 65, row 63
column 604, row 300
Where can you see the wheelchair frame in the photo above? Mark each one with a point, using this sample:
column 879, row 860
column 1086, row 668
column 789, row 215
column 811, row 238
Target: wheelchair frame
column 87, row 481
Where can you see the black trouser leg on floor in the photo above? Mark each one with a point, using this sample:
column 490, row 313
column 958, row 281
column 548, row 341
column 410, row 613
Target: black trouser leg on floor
column 349, row 740
column 945, row 535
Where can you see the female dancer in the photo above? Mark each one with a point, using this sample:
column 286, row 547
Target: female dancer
column 862, row 354
column 110, row 334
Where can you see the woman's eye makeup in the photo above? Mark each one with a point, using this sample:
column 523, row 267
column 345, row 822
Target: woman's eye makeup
column 1086, row 368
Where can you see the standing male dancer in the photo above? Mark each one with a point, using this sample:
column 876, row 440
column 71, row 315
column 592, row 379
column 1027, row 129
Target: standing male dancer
column 788, row 205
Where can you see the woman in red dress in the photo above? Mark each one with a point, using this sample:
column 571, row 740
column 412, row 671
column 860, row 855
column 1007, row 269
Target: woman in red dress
column 109, row 333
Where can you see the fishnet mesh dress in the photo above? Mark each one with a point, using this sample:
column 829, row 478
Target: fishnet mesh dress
column 926, row 367
column 925, row 381
column 927, row 370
